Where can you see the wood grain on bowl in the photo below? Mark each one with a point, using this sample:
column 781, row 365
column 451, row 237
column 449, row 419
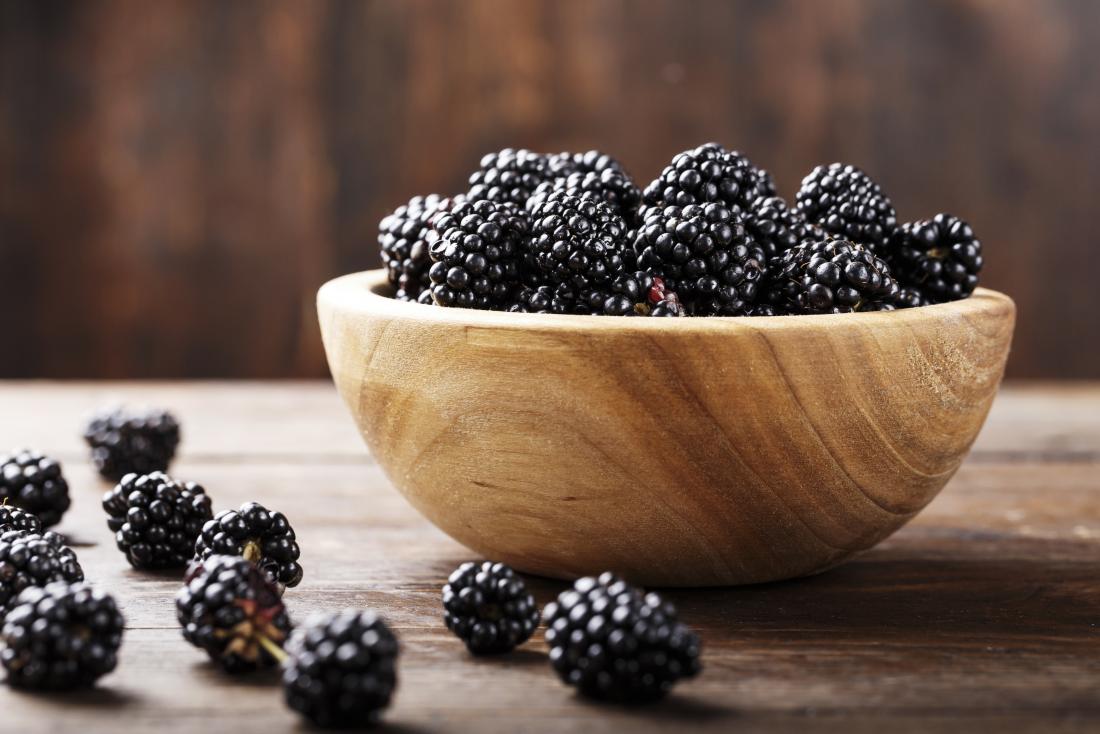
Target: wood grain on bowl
column 678, row 452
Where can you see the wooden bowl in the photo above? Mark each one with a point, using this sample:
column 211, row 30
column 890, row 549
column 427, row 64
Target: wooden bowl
column 677, row 452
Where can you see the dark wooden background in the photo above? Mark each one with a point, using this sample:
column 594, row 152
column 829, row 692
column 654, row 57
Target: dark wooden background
column 178, row 178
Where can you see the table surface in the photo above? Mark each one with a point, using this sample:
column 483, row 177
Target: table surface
column 981, row 614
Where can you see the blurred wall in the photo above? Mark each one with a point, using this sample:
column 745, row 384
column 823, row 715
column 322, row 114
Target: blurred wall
column 178, row 178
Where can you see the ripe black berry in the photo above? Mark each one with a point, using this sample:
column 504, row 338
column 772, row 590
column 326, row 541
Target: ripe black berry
column 232, row 611
column 262, row 537
column 709, row 173
column 509, row 176
column 342, row 669
column 477, row 250
column 61, row 636
column 13, row 518
column 156, row 520
column 940, row 256
column 704, row 253
column 33, row 482
column 596, row 173
column 123, row 442
column 33, row 559
column 776, row 227
column 830, row 276
column 403, row 237
column 612, row 642
column 843, row 200
column 488, row 607
column 578, row 240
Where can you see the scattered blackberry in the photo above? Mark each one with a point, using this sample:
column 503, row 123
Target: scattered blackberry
column 126, row 442
column 830, row 276
column 262, row 537
column 612, row 642
column 342, row 669
column 33, row 559
column 232, row 611
column 156, row 519
column 509, row 176
column 844, row 201
column 13, row 518
column 704, row 254
column 403, row 237
column 62, row 636
column 939, row 256
column 776, row 227
column 488, row 607
column 477, row 251
column 33, row 482
column 578, row 240
column 709, row 173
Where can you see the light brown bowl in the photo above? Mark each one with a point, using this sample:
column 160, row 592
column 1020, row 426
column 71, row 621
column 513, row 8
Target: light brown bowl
column 678, row 452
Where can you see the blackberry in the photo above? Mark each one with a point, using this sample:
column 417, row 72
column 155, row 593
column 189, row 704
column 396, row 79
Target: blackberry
column 910, row 297
column 578, row 240
column 705, row 254
column 559, row 299
column 612, row 642
column 610, row 185
column 13, row 518
column 776, row 227
column 232, row 611
column 509, row 176
column 488, row 607
column 830, row 276
column 342, row 669
column 261, row 537
column 156, row 519
column 33, row 559
column 126, row 442
column 939, row 256
column 641, row 294
column 60, row 637
column 709, row 173
column 403, row 237
column 592, row 161
column 33, row 482
column 844, row 201
column 477, row 251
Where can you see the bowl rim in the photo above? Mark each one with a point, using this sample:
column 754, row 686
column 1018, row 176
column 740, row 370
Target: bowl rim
column 360, row 292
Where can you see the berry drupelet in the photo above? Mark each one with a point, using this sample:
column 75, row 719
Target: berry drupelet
column 156, row 520
column 60, row 637
column 125, row 442
column 704, row 253
column 488, row 607
column 232, row 611
column 33, row 482
column 844, row 201
column 262, row 537
column 578, row 240
column 612, row 642
column 13, row 518
column 709, row 173
column 509, row 176
column 776, row 227
column 403, row 237
column 341, row 669
column 477, row 250
column 940, row 257
column 830, row 276
column 33, row 559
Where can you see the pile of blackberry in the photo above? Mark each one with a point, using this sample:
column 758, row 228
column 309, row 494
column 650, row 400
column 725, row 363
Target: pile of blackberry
column 571, row 233
column 33, row 482
column 125, row 442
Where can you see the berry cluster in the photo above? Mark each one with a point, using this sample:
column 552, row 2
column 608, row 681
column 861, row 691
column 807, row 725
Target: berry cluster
column 571, row 233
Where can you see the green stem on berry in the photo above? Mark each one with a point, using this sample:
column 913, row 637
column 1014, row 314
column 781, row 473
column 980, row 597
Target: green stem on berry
column 272, row 649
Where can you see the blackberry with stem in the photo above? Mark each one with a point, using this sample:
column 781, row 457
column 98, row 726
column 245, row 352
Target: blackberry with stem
column 509, row 176
column 33, row 482
column 477, row 251
column 260, row 536
column 403, row 239
column 704, row 254
column 156, row 520
column 940, row 257
column 29, row 559
column 709, row 173
column 62, row 636
column 14, row 518
column 578, row 240
column 341, row 669
column 844, row 201
column 233, row 611
column 125, row 442
column 830, row 276
column 488, row 607
column 612, row 642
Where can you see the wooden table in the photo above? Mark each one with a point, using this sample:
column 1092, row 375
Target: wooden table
column 980, row 615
